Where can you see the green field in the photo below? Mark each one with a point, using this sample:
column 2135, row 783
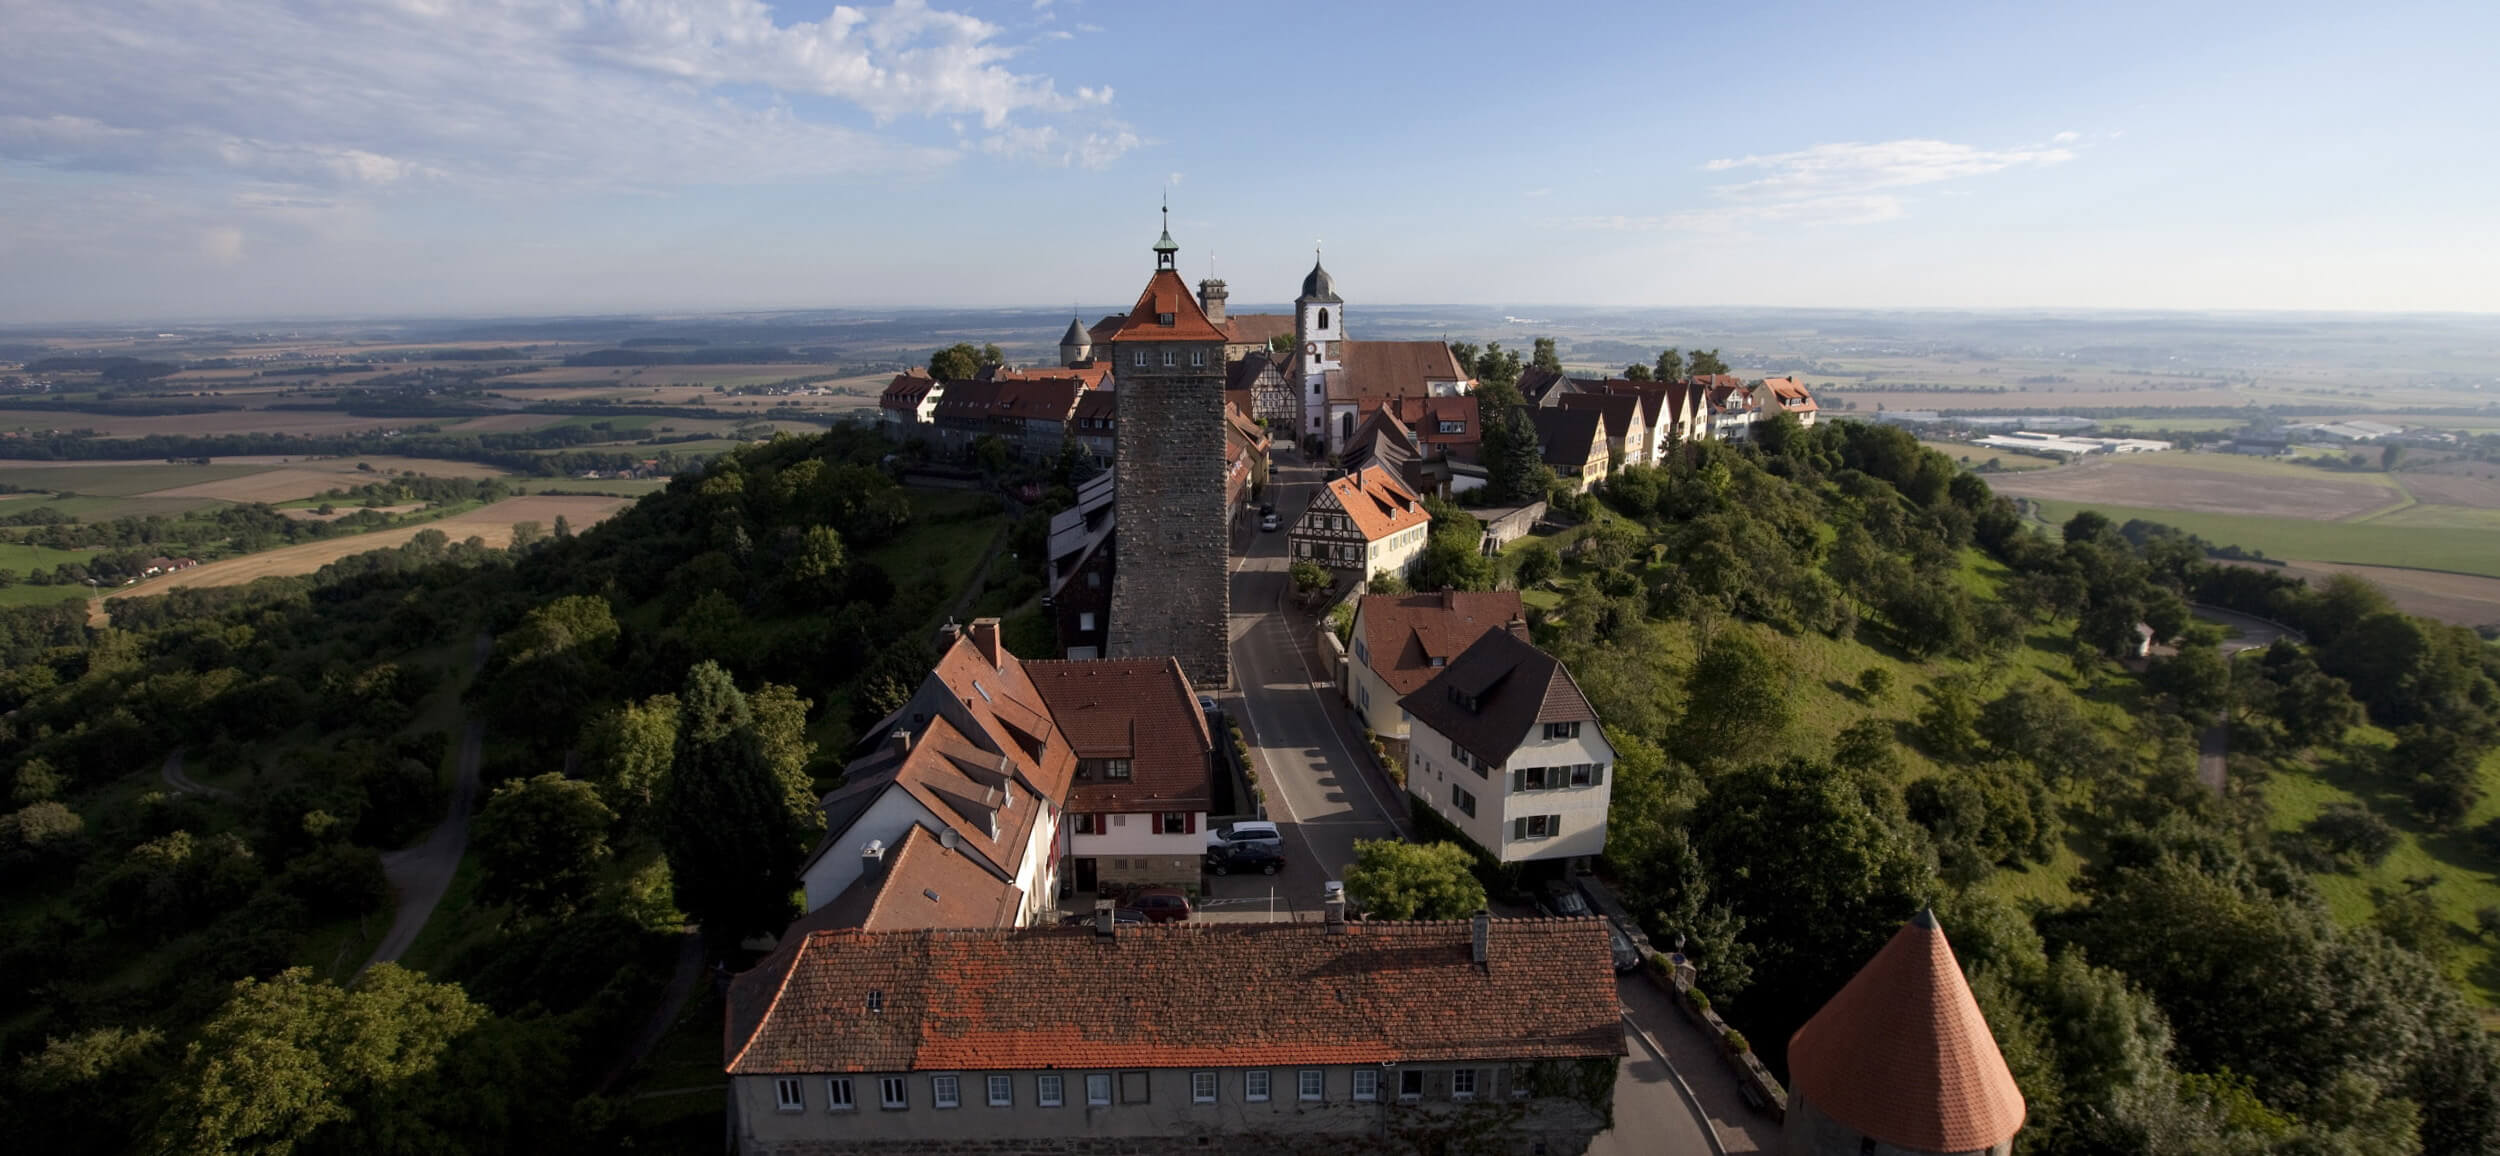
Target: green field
column 21, row 594
column 621, row 487
column 2384, row 542
column 119, row 480
column 942, row 551
column 1971, row 455
column 2468, row 877
column 2133, row 426
column 23, row 558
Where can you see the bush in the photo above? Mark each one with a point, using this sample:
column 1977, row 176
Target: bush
column 338, row 881
column 1736, row 1043
column 1698, row 998
column 1874, row 681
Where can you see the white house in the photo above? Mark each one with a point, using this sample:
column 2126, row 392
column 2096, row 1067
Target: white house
column 1503, row 746
column 1789, row 395
column 1402, row 640
column 1137, row 807
column 1366, row 521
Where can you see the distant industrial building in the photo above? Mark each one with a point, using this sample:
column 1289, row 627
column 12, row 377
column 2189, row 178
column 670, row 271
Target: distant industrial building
column 2034, row 441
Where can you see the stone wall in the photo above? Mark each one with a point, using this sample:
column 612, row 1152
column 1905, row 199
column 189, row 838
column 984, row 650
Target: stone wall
column 1174, row 594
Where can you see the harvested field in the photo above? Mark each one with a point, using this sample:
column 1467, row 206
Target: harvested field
column 228, row 421
column 2444, row 489
column 283, row 484
column 116, row 479
column 493, row 523
column 505, row 423
column 2206, row 483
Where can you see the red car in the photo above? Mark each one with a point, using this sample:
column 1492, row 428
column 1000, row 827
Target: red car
column 1161, row 904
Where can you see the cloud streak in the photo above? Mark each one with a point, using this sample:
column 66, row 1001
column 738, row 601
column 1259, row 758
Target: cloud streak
column 1832, row 184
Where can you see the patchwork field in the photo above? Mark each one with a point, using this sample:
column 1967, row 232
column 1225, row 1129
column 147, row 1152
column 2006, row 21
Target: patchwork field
column 1971, row 455
column 492, row 523
column 118, row 480
column 2374, row 543
column 2461, row 599
column 2209, row 483
column 228, row 421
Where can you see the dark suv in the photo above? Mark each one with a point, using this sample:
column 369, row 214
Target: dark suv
column 1246, row 859
column 1160, row 904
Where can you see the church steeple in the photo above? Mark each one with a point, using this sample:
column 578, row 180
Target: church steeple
column 1166, row 253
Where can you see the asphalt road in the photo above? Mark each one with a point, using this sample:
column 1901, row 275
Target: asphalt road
column 1318, row 791
column 420, row 875
column 2213, row 746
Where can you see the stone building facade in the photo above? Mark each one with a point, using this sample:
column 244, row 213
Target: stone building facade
column 1175, row 593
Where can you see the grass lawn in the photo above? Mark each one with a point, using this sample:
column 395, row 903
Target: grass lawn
column 622, row 487
column 2469, row 878
column 675, row 1098
column 941, row 551
column 23, row 558
column 2387, row 541
column 21, row 594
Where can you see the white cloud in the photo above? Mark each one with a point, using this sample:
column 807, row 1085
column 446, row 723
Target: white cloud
column 503, row 93
column 1833, row 184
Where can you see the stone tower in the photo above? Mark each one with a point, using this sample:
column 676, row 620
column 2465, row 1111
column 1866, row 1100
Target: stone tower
column 1075, row 346
column 1211, row 297
column 1319, row 345
column 1900, row 1062
column 1174, row 592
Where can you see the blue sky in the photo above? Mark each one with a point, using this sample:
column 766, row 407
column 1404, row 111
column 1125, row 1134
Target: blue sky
column 243, row 158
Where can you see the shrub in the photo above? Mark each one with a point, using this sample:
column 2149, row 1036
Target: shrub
column 1736, row 1042
column 1699, row 999
column 1874, row 681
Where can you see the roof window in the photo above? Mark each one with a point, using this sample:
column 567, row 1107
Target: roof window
column 1164, row 319
column 876, row 999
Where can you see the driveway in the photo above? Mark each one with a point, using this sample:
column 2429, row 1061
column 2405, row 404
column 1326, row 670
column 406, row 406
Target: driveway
column 1319, row 791
column 1681, row 1051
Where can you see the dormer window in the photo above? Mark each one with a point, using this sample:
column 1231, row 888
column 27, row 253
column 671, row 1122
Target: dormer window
column 1438, row 662
column 1112, row 770
column 876, row 1000
column 1164, row 319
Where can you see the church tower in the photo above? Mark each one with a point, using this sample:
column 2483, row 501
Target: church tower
column 1173, row 595
column 1319, row 345
column 1901, row 1063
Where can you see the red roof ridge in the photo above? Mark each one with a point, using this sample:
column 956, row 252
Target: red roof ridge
column 1903, row 1055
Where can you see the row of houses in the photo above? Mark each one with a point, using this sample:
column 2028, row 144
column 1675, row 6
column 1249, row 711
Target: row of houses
column 1587, row 427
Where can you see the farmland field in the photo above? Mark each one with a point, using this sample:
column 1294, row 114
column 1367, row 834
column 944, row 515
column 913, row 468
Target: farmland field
column 2365, row 543
column 1971, row 455
column 118, row 480
column 493, row 523
column 2461, row 599
column 2209, row 483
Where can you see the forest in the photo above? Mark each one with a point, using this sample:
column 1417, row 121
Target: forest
column 662, row 697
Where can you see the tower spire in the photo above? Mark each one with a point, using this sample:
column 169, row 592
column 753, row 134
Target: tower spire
column 1164, row 248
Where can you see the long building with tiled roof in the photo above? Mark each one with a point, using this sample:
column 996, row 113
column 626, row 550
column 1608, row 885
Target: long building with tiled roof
column 1901, row 1061
column 1236, row 1038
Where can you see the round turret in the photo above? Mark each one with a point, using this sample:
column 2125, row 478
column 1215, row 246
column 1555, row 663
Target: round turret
column 1075, row 346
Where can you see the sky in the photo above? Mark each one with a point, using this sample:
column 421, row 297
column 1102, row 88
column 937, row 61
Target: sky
column 237, row 159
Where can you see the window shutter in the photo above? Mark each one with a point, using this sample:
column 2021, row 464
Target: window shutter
column 1597, row 774
column 1519, row 779
column 1519, row 828
column 1189, row 823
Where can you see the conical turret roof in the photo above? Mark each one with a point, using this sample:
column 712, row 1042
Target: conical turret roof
column 1076, row 334
column 1903, row 1056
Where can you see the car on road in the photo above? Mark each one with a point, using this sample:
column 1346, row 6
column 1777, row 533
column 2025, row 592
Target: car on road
column 1246, row 859
column 1627, row 955
column 1563, row 900
column 1161, row 904
column 1206, row 704
column 1268, row 522
column 1246, row 831
column 1267, row 509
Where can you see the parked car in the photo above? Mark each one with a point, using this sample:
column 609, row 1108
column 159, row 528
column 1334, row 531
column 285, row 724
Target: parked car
column 1246, row 859
column 1206, row 704
column 1268, row 522
column 1267, row 509
column 1161, row 904
column 1247, row 831
column 1627, row 956
column 1563, row 900
column 1124, row 916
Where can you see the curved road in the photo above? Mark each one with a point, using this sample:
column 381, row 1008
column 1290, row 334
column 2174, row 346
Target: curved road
column 2213, row 746
column 419, row 875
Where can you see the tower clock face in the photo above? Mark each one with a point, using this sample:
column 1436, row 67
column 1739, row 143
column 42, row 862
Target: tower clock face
column 1311, row 348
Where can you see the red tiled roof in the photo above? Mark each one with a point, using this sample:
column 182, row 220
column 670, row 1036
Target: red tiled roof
column 1166, row 294
column 1221, row 994
column 907, row 390
column 1244, row 328
column 1791, row 393
column 923, row 884
column 1139, row 709
column 1394, row 368
column 1049, row 398
column 1423, row 416
column 1097, row 403
column 1003, row 702
column 1379, row 505
column 964, row 787
column 1089, row 377
column 1403, row 633
column 1903, row 1055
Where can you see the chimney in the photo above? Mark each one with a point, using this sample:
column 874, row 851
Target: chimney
column 1449, row 598
column 1518, row 628
column 872, row 858
column 1333, row 903
column 898, row 741
column 985, row 637
column 947, row 635
column 1105, row 922
column 1481, row 937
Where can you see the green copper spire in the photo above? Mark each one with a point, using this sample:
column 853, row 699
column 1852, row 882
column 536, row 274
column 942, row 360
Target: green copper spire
column 1165, row 249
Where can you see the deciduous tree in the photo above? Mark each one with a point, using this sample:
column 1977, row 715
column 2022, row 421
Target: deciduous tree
column 738, row 828
column 1395, row 879
column 541, row 842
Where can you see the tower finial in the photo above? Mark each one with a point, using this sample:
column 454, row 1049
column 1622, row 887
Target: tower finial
column 1164, row 248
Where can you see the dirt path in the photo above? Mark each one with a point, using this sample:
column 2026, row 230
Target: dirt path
column 421, row 874
column 2213, row 745
column 183, row 784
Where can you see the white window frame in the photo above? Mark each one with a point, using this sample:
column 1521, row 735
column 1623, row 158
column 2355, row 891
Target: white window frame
column 1197, row 358
column 946, row 1091
column 1311, row 1085
column 1002, row 1091
column 1201, row 1087
column 1366, row 1084
column 1466, row 1076
column 1097, row 1089
column 789, row 1094
column 1050, row 1091
column 1138, row 359
column 1256, row 1084
column 893, row 1093
column 1168, row 359
column 839, row 1095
